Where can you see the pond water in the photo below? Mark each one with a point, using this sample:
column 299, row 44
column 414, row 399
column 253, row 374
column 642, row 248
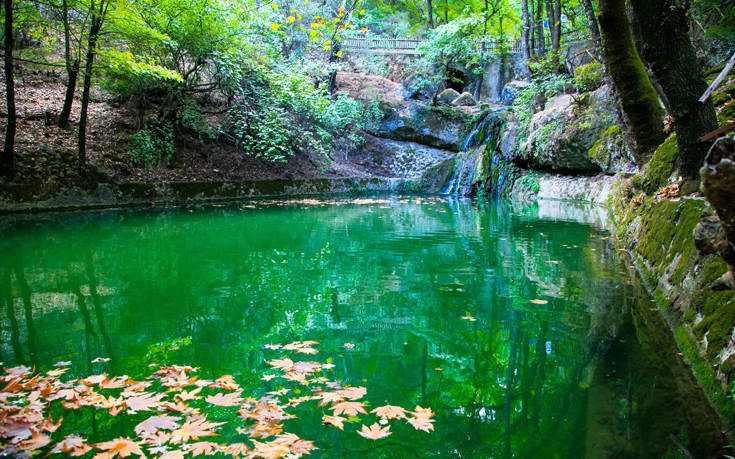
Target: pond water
column 435, row 294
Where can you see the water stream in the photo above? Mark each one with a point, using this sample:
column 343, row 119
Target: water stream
column 483, row 166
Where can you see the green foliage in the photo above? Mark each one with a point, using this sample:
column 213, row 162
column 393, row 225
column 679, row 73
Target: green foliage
column 529, row 182
column 153, row 145
column 533, row 98
column 589, row 77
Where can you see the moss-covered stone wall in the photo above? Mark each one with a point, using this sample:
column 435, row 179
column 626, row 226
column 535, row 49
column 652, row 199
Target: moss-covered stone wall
column 657, row 233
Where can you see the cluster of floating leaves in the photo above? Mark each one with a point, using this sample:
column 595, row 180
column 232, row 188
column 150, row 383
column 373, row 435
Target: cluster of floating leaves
column 174, row 402
column 384, row 203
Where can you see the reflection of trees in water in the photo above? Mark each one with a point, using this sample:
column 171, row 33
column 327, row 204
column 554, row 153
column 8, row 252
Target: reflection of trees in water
column 394, row 282
column 36, row 345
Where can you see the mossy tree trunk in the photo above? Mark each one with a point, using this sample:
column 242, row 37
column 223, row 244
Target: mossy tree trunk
column 637, row 94
column 664, row 27
column 7, row 159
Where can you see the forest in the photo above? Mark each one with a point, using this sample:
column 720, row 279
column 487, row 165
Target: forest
column 377, row 228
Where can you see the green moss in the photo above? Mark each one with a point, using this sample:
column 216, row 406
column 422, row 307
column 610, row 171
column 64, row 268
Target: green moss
column 704, row 372
column 661, row 166
column 600, row 152
column 589, row 77
column 727, row 113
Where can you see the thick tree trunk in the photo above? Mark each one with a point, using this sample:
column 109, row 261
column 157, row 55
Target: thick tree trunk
column 72, row 73
column 7, row 160
column 540, row 39
column 637, row 95
column 430, row 10
column 91, row 51
column 663, row 26
column 525, row 45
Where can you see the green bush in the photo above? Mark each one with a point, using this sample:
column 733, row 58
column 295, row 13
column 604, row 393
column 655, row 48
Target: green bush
column 153, row 145
column 589, row 77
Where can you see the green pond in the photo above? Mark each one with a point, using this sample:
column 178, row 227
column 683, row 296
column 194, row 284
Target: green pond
column 435, row 294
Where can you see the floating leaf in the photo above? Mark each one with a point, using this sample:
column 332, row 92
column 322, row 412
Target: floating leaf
column 374, row 432
column 349, row 409
column 155, row 423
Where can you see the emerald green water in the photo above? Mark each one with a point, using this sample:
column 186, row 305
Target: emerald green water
column 570, row 378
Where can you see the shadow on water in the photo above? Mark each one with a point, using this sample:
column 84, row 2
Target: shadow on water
column 593, row 373
column 644, row 400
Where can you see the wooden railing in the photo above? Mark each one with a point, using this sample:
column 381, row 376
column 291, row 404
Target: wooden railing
column 365, row 45
column 380, row 45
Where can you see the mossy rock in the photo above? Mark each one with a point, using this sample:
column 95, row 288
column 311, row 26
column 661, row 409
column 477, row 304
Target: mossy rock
column 589, row 77
column 662, row 165
column 610, row 145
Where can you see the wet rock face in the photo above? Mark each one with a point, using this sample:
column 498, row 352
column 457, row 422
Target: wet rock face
column 562, row 135
column 443, row 127
column 717, row 234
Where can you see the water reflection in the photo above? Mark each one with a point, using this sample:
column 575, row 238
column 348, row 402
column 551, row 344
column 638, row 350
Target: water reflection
column 434, row 293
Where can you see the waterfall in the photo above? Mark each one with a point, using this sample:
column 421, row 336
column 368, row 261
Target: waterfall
column 483, row 165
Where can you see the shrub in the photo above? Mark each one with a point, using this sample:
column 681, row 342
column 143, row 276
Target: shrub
column 153, row 145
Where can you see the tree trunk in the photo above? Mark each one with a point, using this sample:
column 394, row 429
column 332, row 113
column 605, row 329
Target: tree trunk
column 94, row 31
column 525, row 50
column 637, row 95
column 556, row 27
column 532, row 22
column 72, row 68
column 592, row 25
column 430, row 13
column 72, row 73
column 540, row 40
column 7, row 160
column 664, row 31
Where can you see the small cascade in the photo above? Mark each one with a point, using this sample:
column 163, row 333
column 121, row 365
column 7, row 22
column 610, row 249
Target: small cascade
column 483, row 166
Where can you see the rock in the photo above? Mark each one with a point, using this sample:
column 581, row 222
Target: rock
column 367, row 88
column 718, row 186
column 708, row 233
column 561, row 136
column 418, row 88
column 511, row 90
column 612, row 153
column 447, row 96
column 437, row 127
column 391, row 158
column 464, row 100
